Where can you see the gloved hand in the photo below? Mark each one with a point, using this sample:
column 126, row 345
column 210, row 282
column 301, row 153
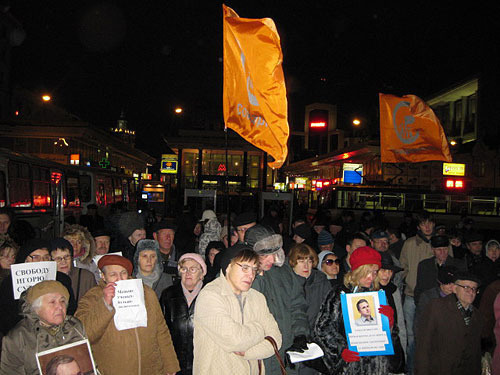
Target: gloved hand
column 350, row 356
column 389, row 312
column 299, row 344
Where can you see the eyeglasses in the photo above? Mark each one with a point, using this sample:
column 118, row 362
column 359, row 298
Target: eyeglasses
column 246, row 268
column 468, row 288
column 190, row 269
column 39, row 258
column 60, row 259
column 329, row 262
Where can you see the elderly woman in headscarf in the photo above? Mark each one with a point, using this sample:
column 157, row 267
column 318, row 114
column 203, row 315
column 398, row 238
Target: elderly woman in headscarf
column 148, row 268
column 178, row 303
column 45, row 326
column 83, row 248
column 329, row 330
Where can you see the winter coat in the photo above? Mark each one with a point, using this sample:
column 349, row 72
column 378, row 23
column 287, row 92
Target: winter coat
column 496, row 354
column 81, row 281
column 415, row 249
column 28, row 337
column 179, row 318
column 444, row 344
column 222, row 327
column 315, row 287
column 285, row 299
column 10, row 307
column 427, row 272
column 329, row 334
column 143, row 350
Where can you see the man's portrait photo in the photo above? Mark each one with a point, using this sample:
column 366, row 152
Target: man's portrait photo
column 364, row 310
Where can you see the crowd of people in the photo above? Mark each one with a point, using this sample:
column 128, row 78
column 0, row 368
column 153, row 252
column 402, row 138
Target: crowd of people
column 235, row 294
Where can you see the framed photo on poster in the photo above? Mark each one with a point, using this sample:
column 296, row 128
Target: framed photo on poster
column 70, row 359
column 367, row 331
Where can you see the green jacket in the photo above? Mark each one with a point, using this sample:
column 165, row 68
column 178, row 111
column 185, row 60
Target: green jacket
column 285, row 299
column 28, row 337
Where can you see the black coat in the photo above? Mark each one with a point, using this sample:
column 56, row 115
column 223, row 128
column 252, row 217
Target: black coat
column 179, row 318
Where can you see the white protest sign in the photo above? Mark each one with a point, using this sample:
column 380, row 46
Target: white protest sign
column 130, row 308
column 97, row 257
column 25, row 275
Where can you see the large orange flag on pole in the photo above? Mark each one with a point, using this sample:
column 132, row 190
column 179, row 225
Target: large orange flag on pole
column 410, row 131
column 255, row 104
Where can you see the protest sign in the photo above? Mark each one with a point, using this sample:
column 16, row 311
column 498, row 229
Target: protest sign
column 130, row 308
column 25, row 275
column 367, row 331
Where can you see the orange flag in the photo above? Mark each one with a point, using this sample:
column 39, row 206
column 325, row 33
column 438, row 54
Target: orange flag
column 410, row 131
column 255, row 104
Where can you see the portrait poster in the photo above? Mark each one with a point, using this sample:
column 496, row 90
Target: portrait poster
column 70, row 359
column 367, row 331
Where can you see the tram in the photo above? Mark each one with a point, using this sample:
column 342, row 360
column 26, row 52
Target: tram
column 47, row 193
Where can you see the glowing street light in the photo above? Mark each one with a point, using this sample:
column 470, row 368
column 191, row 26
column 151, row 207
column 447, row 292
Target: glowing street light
column 178, row 110
column 46, row 98
column 356, row 122
column 453, row 143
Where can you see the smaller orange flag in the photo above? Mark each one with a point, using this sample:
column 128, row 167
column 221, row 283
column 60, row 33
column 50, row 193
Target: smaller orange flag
column 410, row 131
column 254, row 98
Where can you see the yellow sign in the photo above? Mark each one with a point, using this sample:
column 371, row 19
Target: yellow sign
column 168, row 163
column 453, row 169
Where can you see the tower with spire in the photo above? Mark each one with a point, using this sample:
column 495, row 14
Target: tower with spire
column 121, row 130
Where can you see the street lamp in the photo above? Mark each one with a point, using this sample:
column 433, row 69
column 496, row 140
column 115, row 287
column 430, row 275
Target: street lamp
column 356, row 122
column 178, row 110
column 46, row 98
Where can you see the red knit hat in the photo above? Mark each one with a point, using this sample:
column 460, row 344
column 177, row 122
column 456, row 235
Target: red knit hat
column 365, row 255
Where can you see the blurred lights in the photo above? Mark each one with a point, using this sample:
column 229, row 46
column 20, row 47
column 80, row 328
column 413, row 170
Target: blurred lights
column 356, row 122
column 46, row 98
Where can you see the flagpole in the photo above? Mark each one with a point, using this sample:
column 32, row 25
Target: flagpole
column 228, row 210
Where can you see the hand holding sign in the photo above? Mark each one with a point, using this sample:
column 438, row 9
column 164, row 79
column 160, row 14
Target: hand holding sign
column 109, row 293
column 128, row 301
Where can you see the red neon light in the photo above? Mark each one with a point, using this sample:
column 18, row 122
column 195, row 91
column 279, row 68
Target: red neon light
column 326, row 183
column 459, row 184
column 221, row 168
column 319, row 184
column 319, row 124
column 450, row 184
column 56, row 177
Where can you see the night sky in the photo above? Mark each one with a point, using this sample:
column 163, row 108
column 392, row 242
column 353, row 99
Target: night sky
column 97, row 58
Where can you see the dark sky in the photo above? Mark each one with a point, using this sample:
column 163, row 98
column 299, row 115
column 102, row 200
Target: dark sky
column 97, row 58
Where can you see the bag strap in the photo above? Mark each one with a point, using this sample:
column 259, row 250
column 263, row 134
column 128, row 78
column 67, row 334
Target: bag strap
column 277, row 354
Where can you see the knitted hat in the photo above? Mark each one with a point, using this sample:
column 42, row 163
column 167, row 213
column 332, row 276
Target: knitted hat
column 303, row 230
column 324, row 238
column 197, row 258
column 61, row 243
column 45, row 287
column 322, row 256
column 364, row 255
column 440, row 241
column 208, row 214
column 29, row 247
column 115, row 260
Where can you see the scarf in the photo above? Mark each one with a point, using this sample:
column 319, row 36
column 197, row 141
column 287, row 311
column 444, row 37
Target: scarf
column 149, row 280
column 191, row 295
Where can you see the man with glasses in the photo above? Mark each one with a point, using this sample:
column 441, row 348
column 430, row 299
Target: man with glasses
column 232, row 320
column 35, row 250
column 449, row 332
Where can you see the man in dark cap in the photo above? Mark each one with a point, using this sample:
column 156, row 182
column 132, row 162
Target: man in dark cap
column 102, row 240
column 283, row 292
column 164, row 233
column 379, row 240
column 448, row 336
column 244, row 221
column 428, row 268
column 35, row 250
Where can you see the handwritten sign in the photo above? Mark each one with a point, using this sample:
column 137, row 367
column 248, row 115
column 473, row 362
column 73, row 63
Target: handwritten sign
column 130, row 308
column 25, row 275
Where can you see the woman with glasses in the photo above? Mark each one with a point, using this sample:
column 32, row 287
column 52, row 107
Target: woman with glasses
column 329, row 264
column 329, row 330
column 61, row 251
column 178, row 302
column 148, row 268
column 303, row 260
